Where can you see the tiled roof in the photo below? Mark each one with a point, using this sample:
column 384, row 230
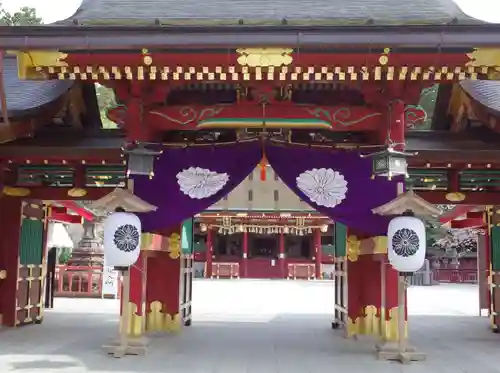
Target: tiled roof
column 297, row 12
column 486, row 92
column 25, row 95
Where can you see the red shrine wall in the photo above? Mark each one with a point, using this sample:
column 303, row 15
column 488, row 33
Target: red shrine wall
column 372, row 289
column 160, row 285
column 10, row 216
column 22, row 261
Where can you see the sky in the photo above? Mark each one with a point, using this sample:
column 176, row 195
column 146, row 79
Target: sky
column 54, row 10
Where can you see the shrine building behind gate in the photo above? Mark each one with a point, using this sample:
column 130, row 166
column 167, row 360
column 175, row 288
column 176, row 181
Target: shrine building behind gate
column 334, row 79
column 263, row 230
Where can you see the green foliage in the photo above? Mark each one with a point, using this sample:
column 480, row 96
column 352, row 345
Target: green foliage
column 64, row 255
column 25, row 16
column 434, row 230
column 106, row 99
column 442, row 241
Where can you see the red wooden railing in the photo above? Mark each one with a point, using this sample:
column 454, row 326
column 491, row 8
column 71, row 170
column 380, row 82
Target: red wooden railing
column 456, row 276
column 304, row 271
column 225, row 270
column 81, row 282
column 86, row 282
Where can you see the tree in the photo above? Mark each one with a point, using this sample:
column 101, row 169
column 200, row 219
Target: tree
column 434, row 229
column 453, row 243
column 458, row 242
column 25, row 16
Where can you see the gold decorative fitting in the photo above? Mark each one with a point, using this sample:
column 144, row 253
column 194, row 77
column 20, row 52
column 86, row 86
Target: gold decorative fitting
column 16, row 192
column 77, row 192
column 353, row 248
column 174, row 246
column 486, row 58
column 254, row 71
column 135, row 323
column 31, row 63
column 265, row 57
column 3, row 274
column 372, row 323
column 383, row 60
column 455, row 197
column 158, row 321
column 380, row 245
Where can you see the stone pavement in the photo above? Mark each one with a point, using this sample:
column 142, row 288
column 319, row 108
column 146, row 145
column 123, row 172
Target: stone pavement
column 257, row 326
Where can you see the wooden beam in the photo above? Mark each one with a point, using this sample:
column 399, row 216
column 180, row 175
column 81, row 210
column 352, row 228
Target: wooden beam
column 467, row 223
column 472, row 198
column 61, row 194
column 84, row 213
column 455, row 213
column 66, row 218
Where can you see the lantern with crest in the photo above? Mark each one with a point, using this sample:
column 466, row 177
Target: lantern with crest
column 406, row 243
column 122, row 239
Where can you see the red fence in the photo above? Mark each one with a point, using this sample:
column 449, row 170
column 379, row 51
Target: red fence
column 304, row 271
column 86, row 282
column 225, row 270
column 81, row 282
column 456, row 276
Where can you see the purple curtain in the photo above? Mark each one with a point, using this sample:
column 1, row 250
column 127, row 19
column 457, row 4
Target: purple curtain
column 336, row 183
column 189, row 180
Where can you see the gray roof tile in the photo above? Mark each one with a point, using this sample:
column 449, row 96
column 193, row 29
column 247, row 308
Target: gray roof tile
column 298, row 12
column 486, row 92
column 26, row 95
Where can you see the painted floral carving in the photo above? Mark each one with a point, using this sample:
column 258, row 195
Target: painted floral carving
column 405, row 242
column 342, row 116
column 323, row 186
column 415, row 116
column 187, row 115
column 126, row 238
column 199, row 183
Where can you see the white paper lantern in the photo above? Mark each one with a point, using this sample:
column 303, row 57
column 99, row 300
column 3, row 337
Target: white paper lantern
column 122, row 239
column 407, row 243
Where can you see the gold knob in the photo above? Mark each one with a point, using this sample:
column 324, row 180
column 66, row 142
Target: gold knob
column 3, row 274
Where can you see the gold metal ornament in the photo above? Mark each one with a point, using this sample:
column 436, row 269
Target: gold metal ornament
column 265, row 57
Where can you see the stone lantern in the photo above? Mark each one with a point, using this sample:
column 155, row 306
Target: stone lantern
column 89, row 252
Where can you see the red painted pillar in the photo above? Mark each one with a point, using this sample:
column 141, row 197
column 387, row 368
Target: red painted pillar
column 281, row 255
column 136, row 128
column 244, row 256
column 210, row 251
column 10, row 219
column 389, row 332
column 397, row 124
column 319, row 253
column 163, row 285
column 354, row 297
column 137, row 297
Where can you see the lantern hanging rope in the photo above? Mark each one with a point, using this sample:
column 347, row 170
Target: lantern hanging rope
column 263, row 164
